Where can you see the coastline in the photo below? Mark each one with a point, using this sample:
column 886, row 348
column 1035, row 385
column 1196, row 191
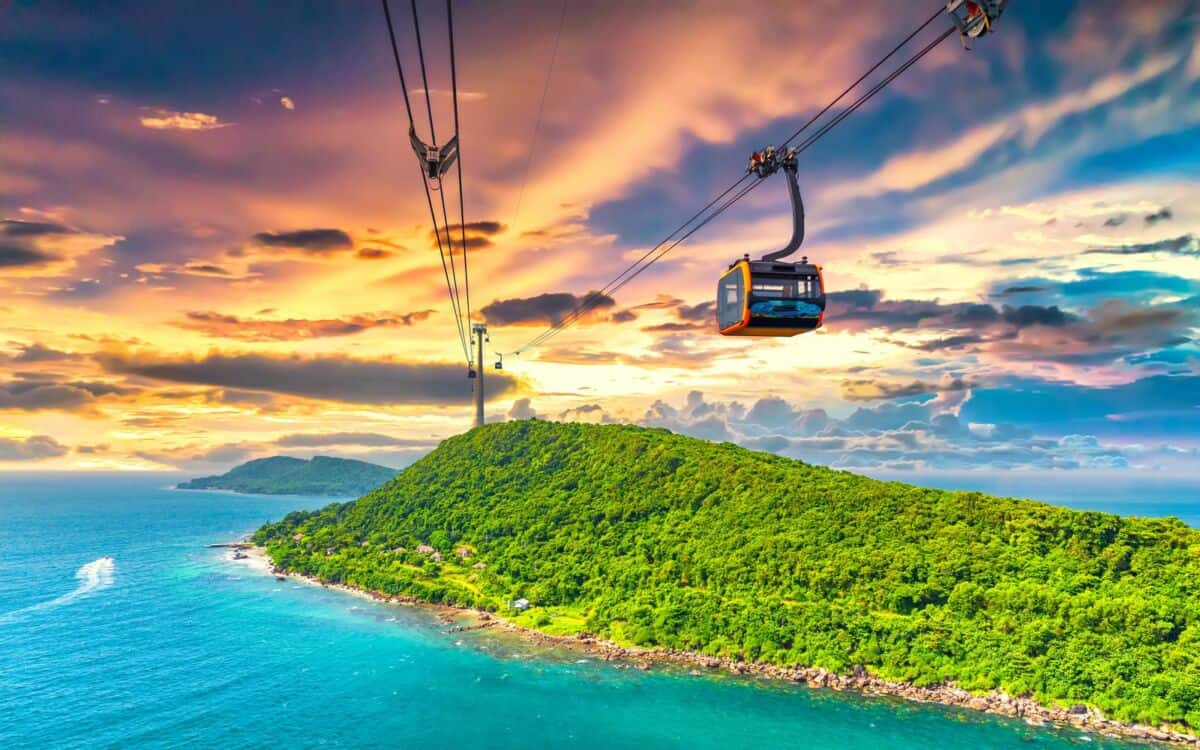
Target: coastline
column 224, row 491
column 996, row 702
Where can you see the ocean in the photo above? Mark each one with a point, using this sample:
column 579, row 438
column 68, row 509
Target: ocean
column 119, row 628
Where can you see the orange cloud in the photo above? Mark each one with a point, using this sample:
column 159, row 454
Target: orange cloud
column 165, row 119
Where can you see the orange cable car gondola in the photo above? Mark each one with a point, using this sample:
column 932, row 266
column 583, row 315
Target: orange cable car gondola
column 772, row 297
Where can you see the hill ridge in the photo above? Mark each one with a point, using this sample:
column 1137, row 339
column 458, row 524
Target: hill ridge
column 286, row 475
column 655, row 539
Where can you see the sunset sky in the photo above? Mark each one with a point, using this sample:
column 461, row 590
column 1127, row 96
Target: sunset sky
column 214, row 244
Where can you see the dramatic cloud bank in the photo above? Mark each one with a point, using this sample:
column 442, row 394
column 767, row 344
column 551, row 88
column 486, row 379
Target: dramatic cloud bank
column 230, row 263
column 331, row 378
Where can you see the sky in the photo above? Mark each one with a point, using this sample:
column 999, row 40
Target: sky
column 214, row 245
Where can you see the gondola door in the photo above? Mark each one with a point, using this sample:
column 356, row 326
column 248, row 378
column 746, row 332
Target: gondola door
column 732, row 315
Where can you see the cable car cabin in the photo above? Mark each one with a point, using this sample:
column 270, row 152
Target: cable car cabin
column 770, row 298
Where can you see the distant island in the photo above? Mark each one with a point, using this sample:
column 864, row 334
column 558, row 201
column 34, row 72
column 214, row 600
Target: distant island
column 282, row 475
column 648, row 539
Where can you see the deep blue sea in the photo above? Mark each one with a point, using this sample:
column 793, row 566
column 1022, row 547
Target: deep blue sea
column 171, row 644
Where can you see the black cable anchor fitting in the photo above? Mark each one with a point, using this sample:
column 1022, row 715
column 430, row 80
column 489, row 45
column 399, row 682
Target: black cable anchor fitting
column 768, row 161
column 435, row 161
column 973, row 18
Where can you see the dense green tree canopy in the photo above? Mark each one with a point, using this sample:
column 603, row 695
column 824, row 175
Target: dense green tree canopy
column 283, row 475
column 652, row 538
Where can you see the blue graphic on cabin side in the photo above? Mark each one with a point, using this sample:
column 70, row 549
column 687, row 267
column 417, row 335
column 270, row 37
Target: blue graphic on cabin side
column 784, row 308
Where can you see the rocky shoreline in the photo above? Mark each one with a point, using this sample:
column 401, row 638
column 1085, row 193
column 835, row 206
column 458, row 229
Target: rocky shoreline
column 995, row 702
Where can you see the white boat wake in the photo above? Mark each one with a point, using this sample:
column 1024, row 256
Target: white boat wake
column 94, row 576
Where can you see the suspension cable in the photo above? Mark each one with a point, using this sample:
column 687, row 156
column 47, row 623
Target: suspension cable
column 537, row 123
column 453, row 270
column 424, row 79
column 554, row 330
column 462, row 221
column 428, row 198
column 640, row 265
column 874, row 90
column 864, row 76
column 463, row 329
column 595, row 296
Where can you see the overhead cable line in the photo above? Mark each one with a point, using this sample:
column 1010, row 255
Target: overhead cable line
column 613, row 288
column 428, row 198
column 537, row 123
column 458, row 310
column 596, row 296
column 662, row 248
column 864, row 76
column 462, row 221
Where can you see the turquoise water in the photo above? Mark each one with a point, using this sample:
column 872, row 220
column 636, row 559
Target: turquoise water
column 174, row 645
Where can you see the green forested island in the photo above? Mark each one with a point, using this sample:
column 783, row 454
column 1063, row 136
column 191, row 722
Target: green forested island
column 282, row 475
column 650, row 538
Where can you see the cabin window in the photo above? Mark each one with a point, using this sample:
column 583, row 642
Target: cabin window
column 731, row 294
column 773, row 289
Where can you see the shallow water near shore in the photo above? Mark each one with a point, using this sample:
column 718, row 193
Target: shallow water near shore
column 172, row 644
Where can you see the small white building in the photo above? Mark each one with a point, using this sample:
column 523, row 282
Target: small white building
column 521, row 604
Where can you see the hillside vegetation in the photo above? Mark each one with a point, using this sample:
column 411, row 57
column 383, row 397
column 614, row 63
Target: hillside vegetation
column 281, row 475
column 655, row 539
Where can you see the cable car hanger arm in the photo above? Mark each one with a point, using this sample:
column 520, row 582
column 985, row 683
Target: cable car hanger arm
column 767, row 162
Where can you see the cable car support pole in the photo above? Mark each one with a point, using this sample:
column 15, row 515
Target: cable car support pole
column 479, row 333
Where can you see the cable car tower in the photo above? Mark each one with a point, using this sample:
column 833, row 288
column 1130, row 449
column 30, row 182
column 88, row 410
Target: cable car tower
column 479, row 336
